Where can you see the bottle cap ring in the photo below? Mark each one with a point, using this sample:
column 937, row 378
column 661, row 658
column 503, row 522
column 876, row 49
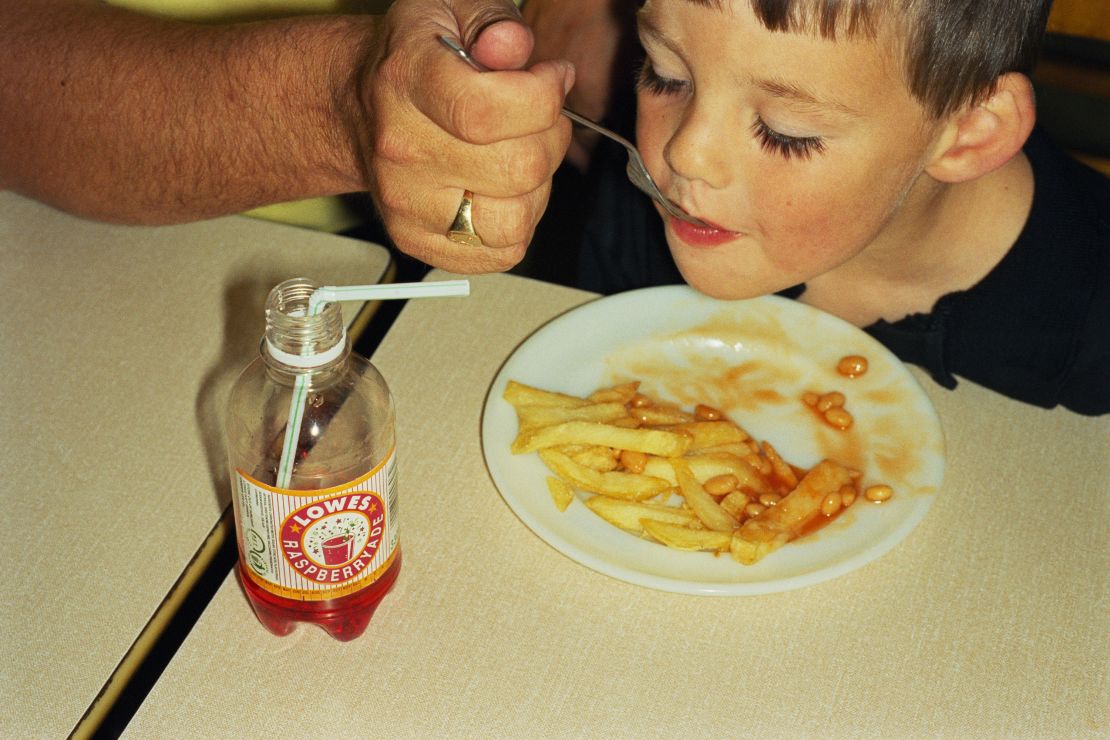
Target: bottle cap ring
column 306, row 361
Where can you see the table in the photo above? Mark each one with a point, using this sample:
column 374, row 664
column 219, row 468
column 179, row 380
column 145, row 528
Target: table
column 990, row 619
column 119, row 347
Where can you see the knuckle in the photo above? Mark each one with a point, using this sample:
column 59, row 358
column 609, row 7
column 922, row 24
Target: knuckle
column 391, row 144
column 389, row 199
column 391, row 72
column 510, row 223
column 470, row 118
column 529, row 167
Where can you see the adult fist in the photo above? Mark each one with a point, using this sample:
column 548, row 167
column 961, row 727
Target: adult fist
column 434, row 127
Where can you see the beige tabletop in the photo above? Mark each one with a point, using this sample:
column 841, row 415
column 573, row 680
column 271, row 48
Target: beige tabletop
column 988, row 620
column 119, row 347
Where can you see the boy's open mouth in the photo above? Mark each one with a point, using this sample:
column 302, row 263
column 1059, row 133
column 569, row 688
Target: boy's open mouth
column 704, row 237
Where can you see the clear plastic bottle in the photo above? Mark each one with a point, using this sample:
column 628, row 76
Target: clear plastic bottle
column 318, row 540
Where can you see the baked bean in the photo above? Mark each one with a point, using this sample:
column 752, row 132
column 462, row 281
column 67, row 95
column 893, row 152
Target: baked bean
column 878, row 494
column 706, row 413
column 832, row 399
column 852, row 366
column 847, row 495
column 809, row 398
column 633, row 461
column 769, row 499
column 839, row 418
column 719, row 485
column 831, row 504
column 754, row 509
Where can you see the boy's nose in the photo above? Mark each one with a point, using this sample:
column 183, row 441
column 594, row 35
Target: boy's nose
column 698, row 150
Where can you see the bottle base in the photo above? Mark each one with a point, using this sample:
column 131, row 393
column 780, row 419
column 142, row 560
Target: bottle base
column 345, row 618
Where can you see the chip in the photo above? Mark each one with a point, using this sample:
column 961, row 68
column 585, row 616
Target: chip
column 633, row 459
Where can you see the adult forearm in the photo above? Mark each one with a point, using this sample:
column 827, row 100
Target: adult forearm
column 122, row 117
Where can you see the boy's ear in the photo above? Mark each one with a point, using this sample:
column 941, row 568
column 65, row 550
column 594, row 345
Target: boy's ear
column 985, row 136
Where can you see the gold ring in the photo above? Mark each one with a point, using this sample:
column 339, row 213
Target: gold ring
column 462, row 230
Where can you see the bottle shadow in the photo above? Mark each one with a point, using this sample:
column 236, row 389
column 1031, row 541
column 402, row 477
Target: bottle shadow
column 244, row 303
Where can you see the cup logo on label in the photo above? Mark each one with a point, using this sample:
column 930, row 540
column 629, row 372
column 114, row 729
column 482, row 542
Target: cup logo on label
column 334, row 540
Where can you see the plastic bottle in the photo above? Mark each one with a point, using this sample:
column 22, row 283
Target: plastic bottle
column 317, row 536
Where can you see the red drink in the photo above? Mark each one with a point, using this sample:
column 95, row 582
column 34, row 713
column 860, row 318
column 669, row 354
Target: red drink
column 325, row 556
column 344, row 618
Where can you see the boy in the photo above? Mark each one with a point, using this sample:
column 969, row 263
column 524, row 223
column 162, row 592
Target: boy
column 868, row 159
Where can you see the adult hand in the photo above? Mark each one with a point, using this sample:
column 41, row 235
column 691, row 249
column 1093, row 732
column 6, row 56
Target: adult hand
column 436, row 127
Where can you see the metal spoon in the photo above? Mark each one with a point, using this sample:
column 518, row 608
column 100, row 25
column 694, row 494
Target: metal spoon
column 637, row 171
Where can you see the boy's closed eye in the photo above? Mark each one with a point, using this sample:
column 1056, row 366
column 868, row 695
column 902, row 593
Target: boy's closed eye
column 802, row 147
column 651, row 82
column 648, row 80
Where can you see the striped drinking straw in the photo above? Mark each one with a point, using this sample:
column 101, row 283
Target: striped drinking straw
column 331, row 294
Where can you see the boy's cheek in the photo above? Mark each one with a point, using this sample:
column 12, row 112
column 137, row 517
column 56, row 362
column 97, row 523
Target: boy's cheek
column 652, row 132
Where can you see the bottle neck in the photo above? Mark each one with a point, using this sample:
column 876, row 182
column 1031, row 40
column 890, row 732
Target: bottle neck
column 297, row 340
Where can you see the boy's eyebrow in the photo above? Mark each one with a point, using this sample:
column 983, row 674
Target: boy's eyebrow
column 785, row 89
column 778, row 88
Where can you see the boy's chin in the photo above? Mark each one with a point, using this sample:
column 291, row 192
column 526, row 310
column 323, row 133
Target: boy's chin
column 716, row 286
column 723, row 295
column 731, row 273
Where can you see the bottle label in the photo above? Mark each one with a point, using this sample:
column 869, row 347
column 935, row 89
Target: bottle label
column 323, row 544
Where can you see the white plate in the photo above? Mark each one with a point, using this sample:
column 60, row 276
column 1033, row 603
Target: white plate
column 753, row 359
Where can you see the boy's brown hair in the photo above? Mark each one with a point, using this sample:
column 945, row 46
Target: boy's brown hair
column 954, row 50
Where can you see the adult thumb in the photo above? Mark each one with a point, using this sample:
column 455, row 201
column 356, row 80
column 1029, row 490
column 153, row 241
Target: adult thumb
column 494, row 33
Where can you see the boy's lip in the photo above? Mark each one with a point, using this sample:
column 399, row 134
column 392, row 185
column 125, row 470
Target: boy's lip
column 705, row 237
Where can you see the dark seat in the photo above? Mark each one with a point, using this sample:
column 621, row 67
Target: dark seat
column 1072, row 80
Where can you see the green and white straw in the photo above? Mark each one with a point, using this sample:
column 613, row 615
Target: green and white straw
column 321, row 297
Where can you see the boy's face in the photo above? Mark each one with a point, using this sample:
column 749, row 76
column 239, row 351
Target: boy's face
column 802, row 150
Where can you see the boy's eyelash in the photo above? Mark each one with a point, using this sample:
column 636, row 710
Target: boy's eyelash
column 787, row 146
column 649, row 81
column 802, row 147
